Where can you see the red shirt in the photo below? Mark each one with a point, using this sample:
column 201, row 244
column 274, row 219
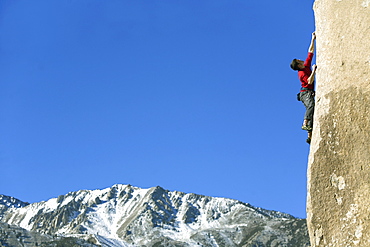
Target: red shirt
column 306, row 72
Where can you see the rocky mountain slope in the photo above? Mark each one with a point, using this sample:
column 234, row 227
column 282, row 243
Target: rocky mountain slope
column 124, row 215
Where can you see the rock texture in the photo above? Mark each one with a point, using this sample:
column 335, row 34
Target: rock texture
column 338, row 211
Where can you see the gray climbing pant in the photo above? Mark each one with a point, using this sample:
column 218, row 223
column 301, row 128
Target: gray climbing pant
column 308, row 100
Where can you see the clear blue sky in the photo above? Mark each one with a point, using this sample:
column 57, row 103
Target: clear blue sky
column 191, row 95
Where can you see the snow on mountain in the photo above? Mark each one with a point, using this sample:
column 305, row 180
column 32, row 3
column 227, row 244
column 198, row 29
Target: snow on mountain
column 124, row 215
column 11, row 202
column 8, row 202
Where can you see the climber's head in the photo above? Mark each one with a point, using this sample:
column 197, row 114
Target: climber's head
column 297, row 64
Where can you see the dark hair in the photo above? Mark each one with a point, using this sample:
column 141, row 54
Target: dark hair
column 294, row 64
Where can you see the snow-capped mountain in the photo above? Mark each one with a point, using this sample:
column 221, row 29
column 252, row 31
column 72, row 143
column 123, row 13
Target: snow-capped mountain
column 124, row 215
column 7, row 202
column 11, row 202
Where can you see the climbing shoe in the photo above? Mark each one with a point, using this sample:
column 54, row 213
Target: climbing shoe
column 308, row 140
column 306, row 127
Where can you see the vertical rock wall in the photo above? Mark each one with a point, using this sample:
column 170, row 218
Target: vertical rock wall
column 338, row 201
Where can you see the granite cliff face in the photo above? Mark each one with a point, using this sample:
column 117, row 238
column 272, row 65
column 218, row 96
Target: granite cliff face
column 338, row 200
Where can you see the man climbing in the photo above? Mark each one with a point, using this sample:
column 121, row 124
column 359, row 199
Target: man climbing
column 307, row 93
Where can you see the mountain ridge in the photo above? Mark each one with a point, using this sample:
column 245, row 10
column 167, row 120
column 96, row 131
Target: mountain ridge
column 131, row 216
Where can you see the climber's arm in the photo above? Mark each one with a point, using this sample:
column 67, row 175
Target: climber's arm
column 311, row 79
column 311, row 48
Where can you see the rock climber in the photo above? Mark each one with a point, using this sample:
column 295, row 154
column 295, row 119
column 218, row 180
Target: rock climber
column 307, row 93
